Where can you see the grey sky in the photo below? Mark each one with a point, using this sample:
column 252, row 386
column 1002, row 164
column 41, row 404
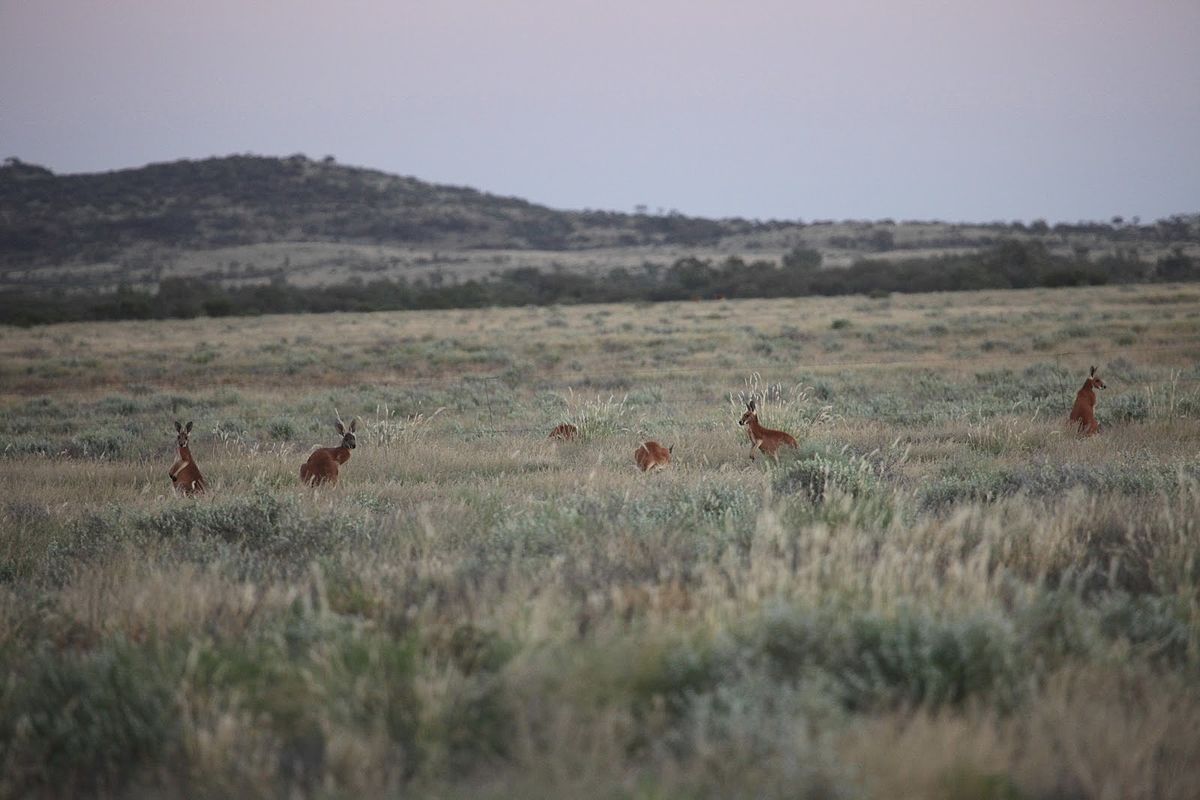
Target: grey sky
column 956, row 110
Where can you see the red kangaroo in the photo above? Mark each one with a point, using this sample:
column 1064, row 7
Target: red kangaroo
column 185, row 475
column 322, row 465
column 1084, row 410
column 767, row 440
column 652, row 455
column 566, row 431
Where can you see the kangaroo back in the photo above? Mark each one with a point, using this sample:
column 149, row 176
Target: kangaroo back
column 565, row 432
column 652, row 455
column 322, row 465
column 1083, row 411
column 320, row 468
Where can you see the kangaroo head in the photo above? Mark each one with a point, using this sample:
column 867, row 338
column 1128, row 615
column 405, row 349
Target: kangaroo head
column 347, row 431
column 751, row 413
column 181, row 433
column 1093, row 382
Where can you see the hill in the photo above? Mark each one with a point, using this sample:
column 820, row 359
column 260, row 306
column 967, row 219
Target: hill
column 244, row 235
column 243, row 200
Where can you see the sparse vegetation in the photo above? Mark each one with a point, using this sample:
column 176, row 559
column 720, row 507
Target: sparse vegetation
column 942, row 592
column 248, row 235
column 688, row 278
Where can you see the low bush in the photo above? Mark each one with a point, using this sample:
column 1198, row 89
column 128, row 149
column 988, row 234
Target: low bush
column 874, row 660
column 1126, row 408
column 89, row 722
column 815, row 474
column 957, row 485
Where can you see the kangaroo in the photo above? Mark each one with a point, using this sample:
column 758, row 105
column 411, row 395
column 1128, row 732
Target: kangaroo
column 322, row 465
column 766, row 440
column 566, row 432
column 185, row 475
column 652, row 455
column 1084, row 410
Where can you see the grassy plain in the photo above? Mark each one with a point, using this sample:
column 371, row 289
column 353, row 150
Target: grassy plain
column 942, row 594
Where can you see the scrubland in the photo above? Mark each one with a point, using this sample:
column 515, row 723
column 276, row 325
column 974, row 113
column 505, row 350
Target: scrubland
column 943, row 593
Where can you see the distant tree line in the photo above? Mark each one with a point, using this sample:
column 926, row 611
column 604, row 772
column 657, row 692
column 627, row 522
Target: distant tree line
column 1008, row 265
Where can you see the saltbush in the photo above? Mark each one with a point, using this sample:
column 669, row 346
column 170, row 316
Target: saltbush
column 90, row 721
column 903, row 658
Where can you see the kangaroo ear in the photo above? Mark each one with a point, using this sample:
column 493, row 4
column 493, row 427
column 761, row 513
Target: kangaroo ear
column 750, row 405
column 1093, row 372
column 340, row 427
column 188, row 427
column 354, row 425
column 178, row 427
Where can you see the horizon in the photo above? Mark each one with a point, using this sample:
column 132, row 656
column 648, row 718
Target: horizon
column 1186, row 213
column 766, row 110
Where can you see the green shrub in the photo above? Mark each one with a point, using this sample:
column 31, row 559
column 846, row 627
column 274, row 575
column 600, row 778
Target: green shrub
column 906, row 658
column 673, row 675
column 273, row 535
column 93, row 721
column 118, row 405
column 94, row 538
column 1044, row 380
column 27, row 531
column 670, row 517
column 1056, row 626
column 1158, row 627
column 26, row 446
column 965, row 783
column 956, row 485
column 752, row 736
column 105, row 442
column 281, row 428
column 1188, row 406
column 645, row 396
column 1127, row 408
column 815, row 474
column 472, row 728
column 1073, row 332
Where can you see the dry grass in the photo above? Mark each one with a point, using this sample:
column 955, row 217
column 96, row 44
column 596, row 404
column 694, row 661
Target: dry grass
column 942, row 594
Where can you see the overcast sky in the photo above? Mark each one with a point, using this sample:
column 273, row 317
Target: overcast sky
column 862, row 109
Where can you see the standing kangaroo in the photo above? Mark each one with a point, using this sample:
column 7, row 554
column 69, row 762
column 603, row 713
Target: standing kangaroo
column 1084, row 410
column 766, row 440
column 322, row 465
column 185, row 475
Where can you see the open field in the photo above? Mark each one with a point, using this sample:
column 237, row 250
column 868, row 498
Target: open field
column 942, row 594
